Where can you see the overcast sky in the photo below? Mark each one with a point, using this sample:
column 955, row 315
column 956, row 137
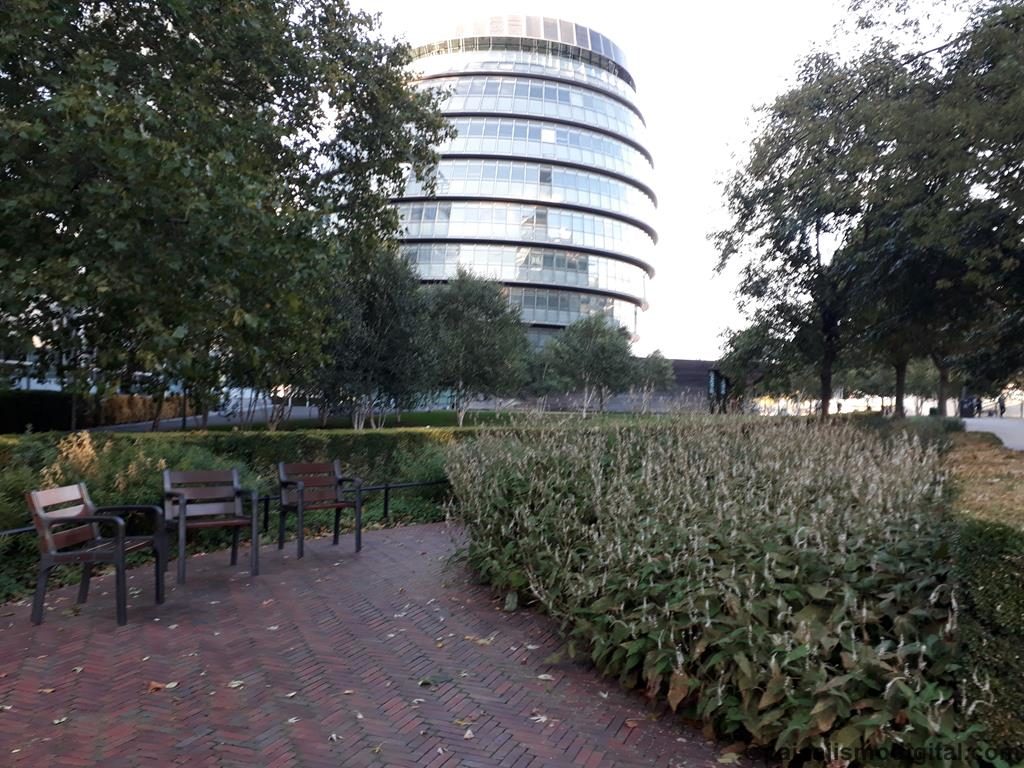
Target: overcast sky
column 700, row 69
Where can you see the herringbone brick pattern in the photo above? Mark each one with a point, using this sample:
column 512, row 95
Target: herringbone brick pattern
column 390, row 657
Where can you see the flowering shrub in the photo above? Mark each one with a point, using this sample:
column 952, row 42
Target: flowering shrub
column 786, row 583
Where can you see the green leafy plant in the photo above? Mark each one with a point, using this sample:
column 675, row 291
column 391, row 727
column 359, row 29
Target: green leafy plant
column 787, row 583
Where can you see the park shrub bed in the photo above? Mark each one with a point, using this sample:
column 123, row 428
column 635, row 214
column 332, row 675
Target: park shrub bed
column 126, row 468
column 788, row 584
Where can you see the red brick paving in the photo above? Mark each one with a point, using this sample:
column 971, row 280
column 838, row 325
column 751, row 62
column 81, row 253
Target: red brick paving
column 345, row 660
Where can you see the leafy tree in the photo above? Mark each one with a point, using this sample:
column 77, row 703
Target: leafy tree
column 374, row 355
column 652, row 374
column 174, row 178
column 592, row 355
column 478, row 343
column 795, row 203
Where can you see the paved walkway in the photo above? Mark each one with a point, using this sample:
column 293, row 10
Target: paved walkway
column 386, row 658
column 1010, row 431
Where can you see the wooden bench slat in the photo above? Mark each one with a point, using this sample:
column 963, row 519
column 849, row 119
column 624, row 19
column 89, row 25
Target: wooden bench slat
column 206, row 493
column 222, row 476
column 54, row 496
column 307, row 469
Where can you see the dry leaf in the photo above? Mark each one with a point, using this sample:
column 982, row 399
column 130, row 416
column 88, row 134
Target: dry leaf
column 376, row 750
column 631, row 723
column 545, row 677
column 236, row 683
column 334, row 737
column 47, row 690
column 359, row 715
column 76, row 670
column 292, row 720
column 729, row 758
column 603, row 694
column 348, row 692
column 60, row 720
column 468, row 734
column 290, row 695
column 532, row 647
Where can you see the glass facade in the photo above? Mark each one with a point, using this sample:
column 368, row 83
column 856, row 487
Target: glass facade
column 547, row 185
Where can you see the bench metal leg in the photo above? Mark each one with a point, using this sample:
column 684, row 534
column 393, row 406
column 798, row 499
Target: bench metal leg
column 181, row 553
column 301, row 528
column 234, row 545
column 40, row 595
column 83, row 585
column 337, row 526
column 254, row 554
column 121, row 591
column 359, row 520
column 280, row 529
column 161, row 565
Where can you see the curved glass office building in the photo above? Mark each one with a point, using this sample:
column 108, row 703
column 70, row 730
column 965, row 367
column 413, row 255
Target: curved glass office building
column 547, row 185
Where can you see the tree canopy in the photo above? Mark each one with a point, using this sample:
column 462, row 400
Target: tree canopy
column 179, row 182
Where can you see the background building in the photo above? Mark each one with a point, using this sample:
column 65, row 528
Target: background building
column 547, row 186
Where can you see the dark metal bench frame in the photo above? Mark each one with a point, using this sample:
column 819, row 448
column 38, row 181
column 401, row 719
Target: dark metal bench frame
column 317, row 486
column 75, row 508
column 217, row 500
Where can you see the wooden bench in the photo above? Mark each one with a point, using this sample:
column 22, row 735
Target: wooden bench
column 309, row 487
column 71, row 529
column 210, row 499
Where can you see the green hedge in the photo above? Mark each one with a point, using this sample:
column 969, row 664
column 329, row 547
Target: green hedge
column 990, row 569
column 125, row 468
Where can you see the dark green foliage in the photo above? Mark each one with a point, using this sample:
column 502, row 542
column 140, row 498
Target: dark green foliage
column 990, row 567
column 476, row 341
column 177, row 178
column 373, row 357
column 592, row 356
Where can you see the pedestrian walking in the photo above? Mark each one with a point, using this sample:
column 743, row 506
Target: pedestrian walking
column 977, row 407
column 1002, row 406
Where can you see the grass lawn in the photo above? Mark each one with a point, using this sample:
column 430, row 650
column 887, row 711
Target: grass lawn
column 989, row 477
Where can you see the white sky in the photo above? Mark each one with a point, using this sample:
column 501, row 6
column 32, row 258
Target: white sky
column 701, row 69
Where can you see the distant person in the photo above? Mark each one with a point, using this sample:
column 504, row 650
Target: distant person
column 977, row 407
column 1002, row 406
column 839, row 406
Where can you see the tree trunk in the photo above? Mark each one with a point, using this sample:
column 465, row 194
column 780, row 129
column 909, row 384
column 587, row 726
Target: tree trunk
column 184, row 407
column 943, row 385
column 825, row 376
column 159, row 403
column 460, row 413
column 899, row 411
column 206, row 417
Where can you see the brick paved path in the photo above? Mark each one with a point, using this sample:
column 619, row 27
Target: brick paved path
column 389, row 657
